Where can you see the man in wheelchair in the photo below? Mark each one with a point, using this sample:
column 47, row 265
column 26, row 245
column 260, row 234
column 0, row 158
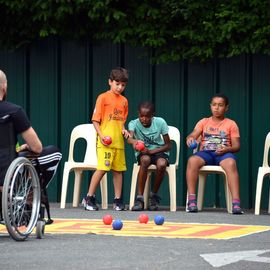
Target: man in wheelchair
column 14, row 122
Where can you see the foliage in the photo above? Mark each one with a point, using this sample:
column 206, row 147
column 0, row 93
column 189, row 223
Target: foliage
column 172, row 29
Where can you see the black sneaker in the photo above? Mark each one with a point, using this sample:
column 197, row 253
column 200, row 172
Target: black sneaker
column 89, row 203
column 192, row 206
column 154, row 200
column 138, row 205
column 118, row 204
column 1, row 218
column 236, row 209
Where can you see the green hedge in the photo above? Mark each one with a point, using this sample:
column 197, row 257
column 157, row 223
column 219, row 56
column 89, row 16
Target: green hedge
column 172, row 30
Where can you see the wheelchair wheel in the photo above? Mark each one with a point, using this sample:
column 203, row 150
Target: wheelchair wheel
column 21, row 198
column 40, row 228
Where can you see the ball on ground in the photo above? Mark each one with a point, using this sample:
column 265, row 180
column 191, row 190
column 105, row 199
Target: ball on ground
column 117, row 224
column 143, row 218
column 159, row 220
column 107, row 219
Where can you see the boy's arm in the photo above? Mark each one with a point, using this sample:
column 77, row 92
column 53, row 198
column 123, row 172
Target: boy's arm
column 232, row 149
column 125, row 133
column 194, row 135
column 97, row 128
column 164, row 148
column 130, row 138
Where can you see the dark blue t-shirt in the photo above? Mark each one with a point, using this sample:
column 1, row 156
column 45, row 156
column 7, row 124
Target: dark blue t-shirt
column 13, row 121
column 17, row 115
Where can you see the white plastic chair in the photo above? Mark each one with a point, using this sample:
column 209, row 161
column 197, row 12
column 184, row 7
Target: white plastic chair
column 171, row 171
column 87, row 132
column 262, row 172
column 203, row 172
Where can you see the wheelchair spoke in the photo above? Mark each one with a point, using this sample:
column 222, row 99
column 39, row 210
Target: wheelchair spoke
column 22, row 198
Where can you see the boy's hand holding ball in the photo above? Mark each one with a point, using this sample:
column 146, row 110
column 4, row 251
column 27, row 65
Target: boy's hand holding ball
column 107, row 140
column 139, row 146
column 193, row 145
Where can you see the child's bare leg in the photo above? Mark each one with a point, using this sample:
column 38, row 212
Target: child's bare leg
column 95, row 180
column 142, row 175
column 161, row 168
column 193, row 166
column 117, row 182
column 229, row 166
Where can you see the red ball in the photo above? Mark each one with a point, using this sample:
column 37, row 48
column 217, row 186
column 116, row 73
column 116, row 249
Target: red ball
column 107, row 140
column 139, row 146
column 143, row 218
column 107, row 219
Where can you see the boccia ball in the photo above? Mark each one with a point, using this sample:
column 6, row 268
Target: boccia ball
column 159, row 220
column 107, row 219
column 117, row 224
column 139, row 146
column 143, row 218
column 107, row 140
column 193, row 145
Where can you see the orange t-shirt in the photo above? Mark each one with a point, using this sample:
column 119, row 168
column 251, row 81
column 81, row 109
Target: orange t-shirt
column 216, row 134
column 111, row 112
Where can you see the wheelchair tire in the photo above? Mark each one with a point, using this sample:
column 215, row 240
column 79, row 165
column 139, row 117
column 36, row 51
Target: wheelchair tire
column 21, row 198
column 40, row 229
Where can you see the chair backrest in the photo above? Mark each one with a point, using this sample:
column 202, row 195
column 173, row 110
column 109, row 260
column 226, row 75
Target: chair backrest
column 266, row 150
column 174, row 134
column 87, row 132
column 7, row 144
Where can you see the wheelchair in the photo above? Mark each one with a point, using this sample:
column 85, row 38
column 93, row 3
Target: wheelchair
column 24, row 199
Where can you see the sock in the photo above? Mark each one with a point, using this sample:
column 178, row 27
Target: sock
column 192, row 197
column 140, row 197
column 236, row 203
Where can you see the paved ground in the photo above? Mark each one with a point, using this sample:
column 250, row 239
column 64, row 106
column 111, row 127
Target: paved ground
column 97, row 251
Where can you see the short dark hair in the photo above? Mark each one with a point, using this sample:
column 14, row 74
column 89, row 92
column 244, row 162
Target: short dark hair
column 148, row 105
column 220, row 95
column 119, row 74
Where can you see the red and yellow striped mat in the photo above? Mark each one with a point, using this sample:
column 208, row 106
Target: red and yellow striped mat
column 167, row 230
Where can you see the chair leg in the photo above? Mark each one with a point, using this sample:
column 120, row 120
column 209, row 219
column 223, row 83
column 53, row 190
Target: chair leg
column 133, row 185
column 77, row 188
column 172, row 186
column 187, row 202
column 269, row 203
column 104, row 192
column 147, row 189
column 259, row 191
column 64, row 187
column 228, row 195
column 201, row 188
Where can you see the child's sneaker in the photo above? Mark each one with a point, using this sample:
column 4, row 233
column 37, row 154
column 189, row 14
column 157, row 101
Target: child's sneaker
column 154, row 200
column 192, row 206
column 118, row 204
column 89, row 203
column 138, row 205
column 236, row 209
column 1, row 218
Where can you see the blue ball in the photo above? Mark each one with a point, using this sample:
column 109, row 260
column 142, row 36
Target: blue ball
column 193, row 145
column 117, row 224
column 159, row 220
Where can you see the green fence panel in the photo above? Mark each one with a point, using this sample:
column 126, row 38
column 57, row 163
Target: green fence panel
column 58, row 81
column 43, row 97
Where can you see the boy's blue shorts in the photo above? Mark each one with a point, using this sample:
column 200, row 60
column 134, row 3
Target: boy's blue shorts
column 211, row 158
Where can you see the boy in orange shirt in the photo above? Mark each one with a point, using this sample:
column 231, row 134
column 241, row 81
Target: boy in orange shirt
column 220, row 138
column 109, row 118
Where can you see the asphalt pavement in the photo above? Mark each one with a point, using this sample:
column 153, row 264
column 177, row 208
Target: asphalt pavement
column 95, row 251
